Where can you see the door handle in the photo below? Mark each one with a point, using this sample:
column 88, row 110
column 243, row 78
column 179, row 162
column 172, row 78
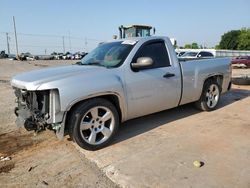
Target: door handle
column 168, row 75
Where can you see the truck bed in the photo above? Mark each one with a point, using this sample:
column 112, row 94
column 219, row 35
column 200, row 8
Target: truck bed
column 196, row 71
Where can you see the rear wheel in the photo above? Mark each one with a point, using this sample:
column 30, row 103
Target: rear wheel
column 94, row 123
column 210, row 96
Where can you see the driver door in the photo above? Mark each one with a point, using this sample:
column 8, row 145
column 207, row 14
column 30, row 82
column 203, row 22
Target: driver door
column 154, row 88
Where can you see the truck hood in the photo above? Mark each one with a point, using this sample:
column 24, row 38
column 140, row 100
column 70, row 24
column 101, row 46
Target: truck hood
column 33, row 79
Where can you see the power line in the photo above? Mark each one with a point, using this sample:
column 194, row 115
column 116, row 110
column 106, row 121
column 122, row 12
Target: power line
column 25, row 41
column 53, row 36
column 24, row 45
column 63, row 45
column 35, row 35
column 69, row 42
column 95, row 39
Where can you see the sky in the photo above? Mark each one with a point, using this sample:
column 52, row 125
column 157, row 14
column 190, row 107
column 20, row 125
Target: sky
column 84, row 23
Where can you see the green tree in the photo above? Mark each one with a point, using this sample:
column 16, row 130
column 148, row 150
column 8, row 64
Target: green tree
column 188, row 46
column 244, row 39
column 217, row 47
column 194, row 45
column 230, row 40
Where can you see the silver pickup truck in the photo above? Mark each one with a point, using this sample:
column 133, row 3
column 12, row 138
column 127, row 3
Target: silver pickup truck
column 117, row 81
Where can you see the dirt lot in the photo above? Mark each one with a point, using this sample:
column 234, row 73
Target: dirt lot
column 152, row 151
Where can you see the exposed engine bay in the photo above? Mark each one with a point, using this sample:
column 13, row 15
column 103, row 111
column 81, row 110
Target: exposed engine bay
column 37, row 110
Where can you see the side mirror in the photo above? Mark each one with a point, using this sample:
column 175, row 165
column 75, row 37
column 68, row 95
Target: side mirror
column 142, row 62
column 199, row 56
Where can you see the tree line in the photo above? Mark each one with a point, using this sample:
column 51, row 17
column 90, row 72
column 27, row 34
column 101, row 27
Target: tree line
column 235, row 40
column 231, row 40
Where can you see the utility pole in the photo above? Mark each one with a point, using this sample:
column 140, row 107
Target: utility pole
column 14, row 22
column 8, row 44
column 69, row 42
column 63, row 45
column 86, row 43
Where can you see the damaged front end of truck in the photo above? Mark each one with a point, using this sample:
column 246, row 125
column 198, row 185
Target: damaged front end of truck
column 38, row 110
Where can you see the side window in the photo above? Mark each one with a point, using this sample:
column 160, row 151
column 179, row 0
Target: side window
column 209, row 54
column 202, row 54
column 157, row 51
column 206, row 54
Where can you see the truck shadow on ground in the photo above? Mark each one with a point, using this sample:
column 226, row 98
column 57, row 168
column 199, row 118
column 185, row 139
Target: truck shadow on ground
column 144, row 124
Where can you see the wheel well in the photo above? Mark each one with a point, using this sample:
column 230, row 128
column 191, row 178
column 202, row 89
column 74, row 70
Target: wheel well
column 111, row 98
column 216, row 78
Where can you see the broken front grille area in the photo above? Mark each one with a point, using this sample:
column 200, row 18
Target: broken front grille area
column 32, row 109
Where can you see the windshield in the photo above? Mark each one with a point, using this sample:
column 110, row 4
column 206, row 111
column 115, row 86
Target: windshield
column 190, row 54
column 108, row 54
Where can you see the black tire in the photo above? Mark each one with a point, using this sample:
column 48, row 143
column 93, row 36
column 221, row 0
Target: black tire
column 79, row 113
column 202, row 103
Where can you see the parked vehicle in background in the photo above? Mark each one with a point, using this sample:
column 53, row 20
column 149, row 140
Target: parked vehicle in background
column 54, row 56
column 3, row 55
column 32, row 58
column 135, row 31
column 196, row 55
column 58, row 56
column 24, row 56
column 241, row 61
column 117, row 81
column 12, row 57
column 78, row 55
column 67, row 55
column 179, row 54
column 44, row 57
column 241, row 80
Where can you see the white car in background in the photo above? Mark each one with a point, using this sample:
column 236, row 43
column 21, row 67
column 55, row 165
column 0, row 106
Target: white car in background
column 197, row 55
column 179, row 54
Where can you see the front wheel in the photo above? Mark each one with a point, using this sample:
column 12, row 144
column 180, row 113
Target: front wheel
column 210, row 96
column 94, row 123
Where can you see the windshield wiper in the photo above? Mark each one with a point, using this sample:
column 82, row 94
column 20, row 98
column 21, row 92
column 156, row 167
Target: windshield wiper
column 95, row 63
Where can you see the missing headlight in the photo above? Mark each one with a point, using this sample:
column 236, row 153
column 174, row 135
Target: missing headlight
column 42, row 99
